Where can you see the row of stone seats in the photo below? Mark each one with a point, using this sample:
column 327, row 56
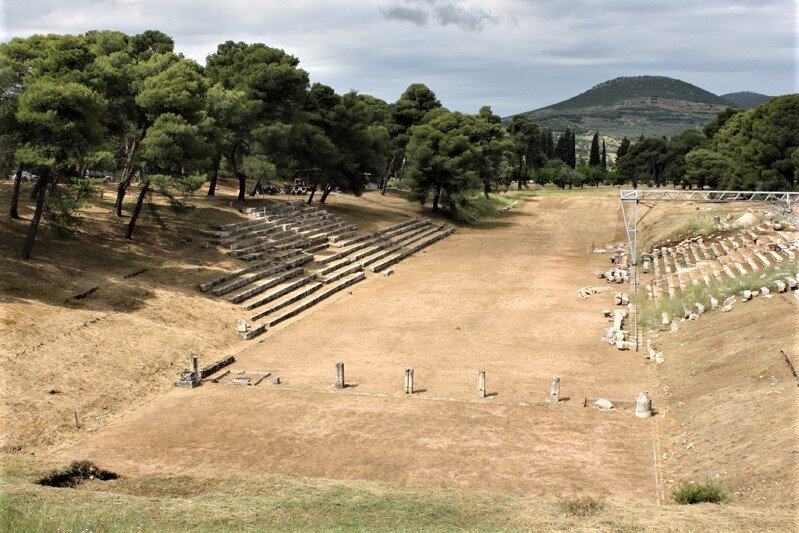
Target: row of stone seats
column 262, row 271
column 412, row 250
column 371, row 239
column 304, row 304
column 695, row 261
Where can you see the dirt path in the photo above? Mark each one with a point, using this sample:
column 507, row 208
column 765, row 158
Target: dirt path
column 501, row 299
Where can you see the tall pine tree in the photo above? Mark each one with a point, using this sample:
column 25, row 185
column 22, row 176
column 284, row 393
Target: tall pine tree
column 623, row 148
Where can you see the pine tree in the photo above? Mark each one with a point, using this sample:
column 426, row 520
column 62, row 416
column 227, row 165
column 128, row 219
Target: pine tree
column 624, row 147
column 593, row 156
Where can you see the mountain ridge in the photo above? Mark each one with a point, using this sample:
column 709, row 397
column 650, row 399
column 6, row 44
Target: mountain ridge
column 631, row 106
column 746, row 99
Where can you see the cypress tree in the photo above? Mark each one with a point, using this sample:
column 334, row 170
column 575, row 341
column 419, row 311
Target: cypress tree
column 593, row 156
column 604, row 161
column 573, row 154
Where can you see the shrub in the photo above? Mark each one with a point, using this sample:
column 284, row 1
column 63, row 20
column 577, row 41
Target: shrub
column 582, row 506
column 707, row 492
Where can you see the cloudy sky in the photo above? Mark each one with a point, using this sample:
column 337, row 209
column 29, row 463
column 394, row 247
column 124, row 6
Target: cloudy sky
column 514, row 55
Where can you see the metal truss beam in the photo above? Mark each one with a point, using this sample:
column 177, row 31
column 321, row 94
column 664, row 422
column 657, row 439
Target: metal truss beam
column 666, row 195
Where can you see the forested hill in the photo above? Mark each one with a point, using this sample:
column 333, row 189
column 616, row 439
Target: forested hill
column 633, row 106
column 746, row 99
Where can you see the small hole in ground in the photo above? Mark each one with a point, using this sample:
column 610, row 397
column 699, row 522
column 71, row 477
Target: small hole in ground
column 75, row 474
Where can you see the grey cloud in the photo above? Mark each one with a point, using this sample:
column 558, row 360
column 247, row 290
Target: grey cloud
column 406, row 14
column 473, row 18
column 466, row 17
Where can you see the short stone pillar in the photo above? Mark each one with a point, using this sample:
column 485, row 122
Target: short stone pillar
column 242, row 326
column 409, row 381
column 643, row 405
column 554, row 390
column 481, row 383
column 340, row 376
column 195, row 368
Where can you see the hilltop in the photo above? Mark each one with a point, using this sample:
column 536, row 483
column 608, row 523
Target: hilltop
column 746, row 99
column 633, row 106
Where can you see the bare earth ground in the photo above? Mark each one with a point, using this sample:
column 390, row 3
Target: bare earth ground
column 501, row 299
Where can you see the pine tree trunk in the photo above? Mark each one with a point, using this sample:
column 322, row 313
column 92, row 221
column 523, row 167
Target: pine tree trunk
column 12, row 212
column 137, row 210
column 37, row 216
column 212, row 185
column 35, row 189
column 313, row 191
column 436, row 197
column 327, row 190
column 125, row 180
column 486, row 188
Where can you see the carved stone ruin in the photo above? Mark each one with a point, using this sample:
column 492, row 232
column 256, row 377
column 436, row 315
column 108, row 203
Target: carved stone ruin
column 340, row 376
column 554, row 390
column 481, row 384
column 643, row 405
column 409, row 381
column 191, row 378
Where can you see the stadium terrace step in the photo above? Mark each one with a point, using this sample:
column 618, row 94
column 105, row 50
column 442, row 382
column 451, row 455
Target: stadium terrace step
column 337, row 275
column 410, row 251
column 380, row 255
column 777, row 257
column 405, row 229
column 322, row 228
column 317, row 247
column 342, row 233
column 367, row 236
column 335, row 266
column 266, row 272
column 762, row 258
column 296, row 297
column 349, row 250
column 301, row 260
column 282, row 291
column 205, row 287
column 226, row 237
column 258, row 289
column 418, row 235
column 410, row 231
column 328, row 292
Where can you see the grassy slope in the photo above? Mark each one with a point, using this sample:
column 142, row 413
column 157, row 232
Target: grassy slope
column 291, row 503
column 731, row 404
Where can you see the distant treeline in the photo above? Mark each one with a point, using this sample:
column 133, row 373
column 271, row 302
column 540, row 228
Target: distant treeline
column 128, row 108
column 755, row 149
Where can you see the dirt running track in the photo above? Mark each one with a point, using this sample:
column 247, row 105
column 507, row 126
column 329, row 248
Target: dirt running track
column 502, row 298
